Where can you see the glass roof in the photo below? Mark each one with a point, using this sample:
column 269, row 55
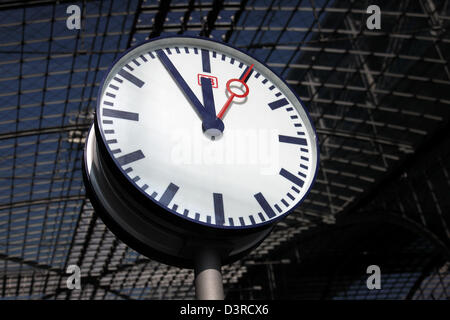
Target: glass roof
column 379, row 99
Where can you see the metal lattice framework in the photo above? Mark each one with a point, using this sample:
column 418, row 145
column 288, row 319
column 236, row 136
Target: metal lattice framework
column 380, row 101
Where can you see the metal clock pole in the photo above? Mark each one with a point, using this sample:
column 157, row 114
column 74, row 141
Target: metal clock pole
column 208, row 275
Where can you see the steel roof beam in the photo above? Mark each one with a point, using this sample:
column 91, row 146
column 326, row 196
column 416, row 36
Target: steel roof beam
column 160, row 18
column 211, row 18
column 13, row 5
column 32, row 264
column 48, row 130
column 33, row 202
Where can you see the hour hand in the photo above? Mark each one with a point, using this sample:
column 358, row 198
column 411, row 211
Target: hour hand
column 208, row 97
column 201, row 111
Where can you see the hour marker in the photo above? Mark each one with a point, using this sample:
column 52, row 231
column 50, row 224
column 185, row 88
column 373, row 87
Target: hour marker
column 292, row 178
column 168, row 194
column 278, row 103
column 264, row 205
column 143, row 58
column 130, row 157
column 292, row 140
column 120, row 114
column 261, row 216
column 218, row 208
column 133, row 79
column 205, row 61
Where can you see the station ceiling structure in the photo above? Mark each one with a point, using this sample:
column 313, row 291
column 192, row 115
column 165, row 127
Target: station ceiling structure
column 380, row 101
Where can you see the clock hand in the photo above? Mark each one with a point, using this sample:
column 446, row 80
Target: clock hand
column 211, row 125
column 206, row 83
column 208, row 97
column 183, row 85
column 242, row 81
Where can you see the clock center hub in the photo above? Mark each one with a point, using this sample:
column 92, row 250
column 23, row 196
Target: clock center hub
column 213, row 128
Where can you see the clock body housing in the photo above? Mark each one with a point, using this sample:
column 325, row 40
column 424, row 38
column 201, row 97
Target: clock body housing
column 162, row 185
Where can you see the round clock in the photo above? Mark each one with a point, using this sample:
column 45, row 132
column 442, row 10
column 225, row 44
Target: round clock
column 196, row 143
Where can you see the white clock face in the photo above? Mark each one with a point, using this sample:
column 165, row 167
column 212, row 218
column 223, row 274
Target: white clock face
column 196, row 146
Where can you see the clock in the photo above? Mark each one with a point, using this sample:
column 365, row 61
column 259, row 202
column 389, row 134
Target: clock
column 196, row 143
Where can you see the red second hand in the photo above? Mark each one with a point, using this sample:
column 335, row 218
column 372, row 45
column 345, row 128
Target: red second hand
column 225, row 106
column 232, row 94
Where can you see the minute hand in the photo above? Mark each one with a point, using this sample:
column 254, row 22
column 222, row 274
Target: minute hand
column 182, row 84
